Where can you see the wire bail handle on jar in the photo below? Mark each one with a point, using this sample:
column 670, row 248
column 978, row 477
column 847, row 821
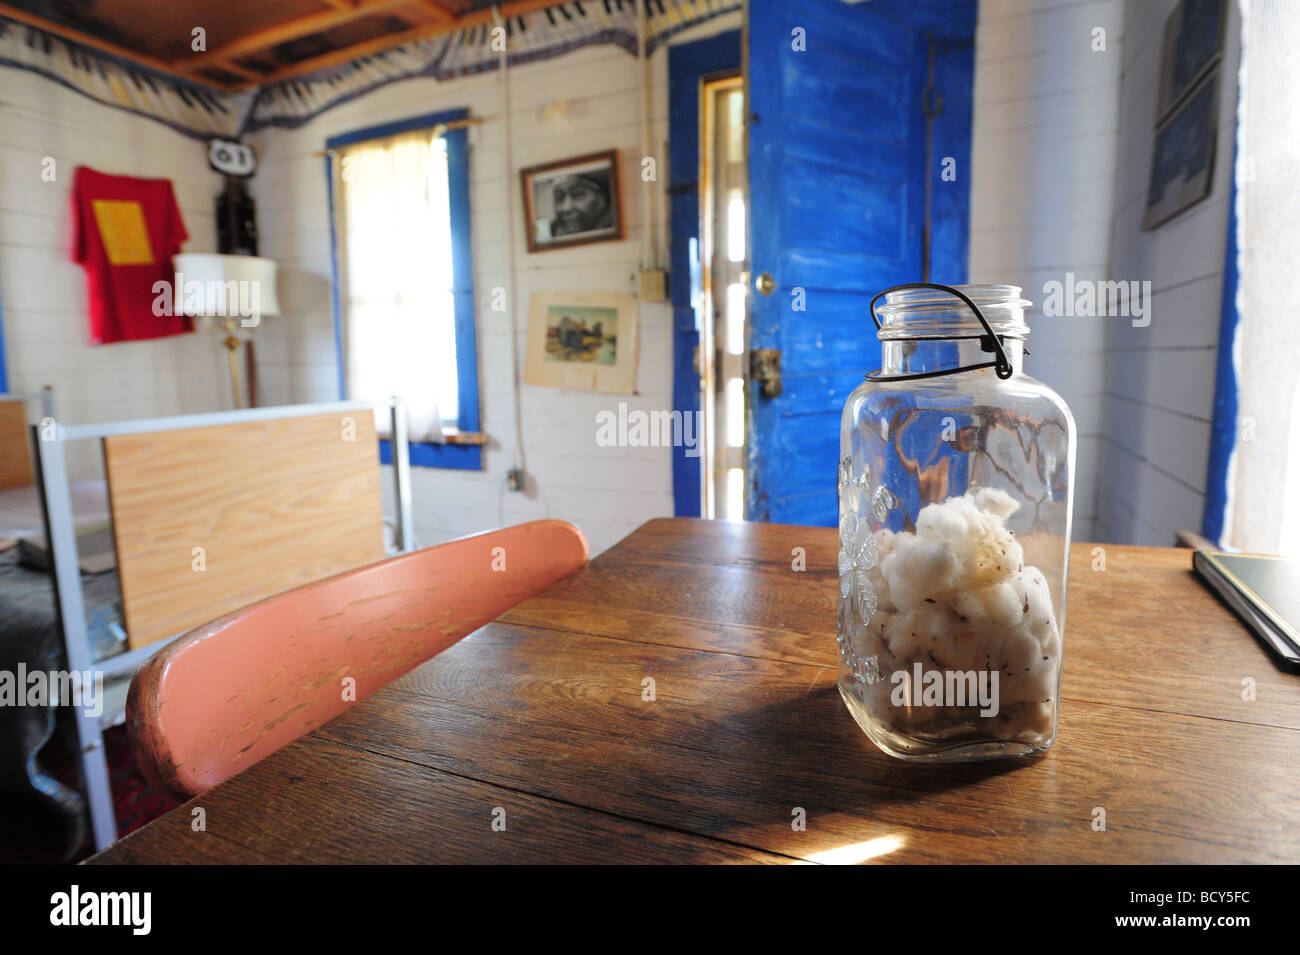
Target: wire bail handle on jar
column 988, row 341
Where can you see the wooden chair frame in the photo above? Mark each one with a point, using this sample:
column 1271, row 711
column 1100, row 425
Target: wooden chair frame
column 236, row 689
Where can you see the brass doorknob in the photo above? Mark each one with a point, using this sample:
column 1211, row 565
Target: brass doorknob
column 765, row 284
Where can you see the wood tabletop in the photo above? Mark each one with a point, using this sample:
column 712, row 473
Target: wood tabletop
column 535, row 740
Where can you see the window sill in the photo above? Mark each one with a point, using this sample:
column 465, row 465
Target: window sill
column 423, row 454
column 454, row 436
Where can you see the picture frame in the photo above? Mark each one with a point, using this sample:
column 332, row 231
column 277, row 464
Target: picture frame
column 1192, row 47
column 582, row 341
column 1183, row 153
column 573, row 201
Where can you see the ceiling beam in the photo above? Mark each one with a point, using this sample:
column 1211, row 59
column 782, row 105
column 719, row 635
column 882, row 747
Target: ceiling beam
column 74, row 35
column 286, row 31
column 436, row 10
column 349, row 53
column 343, row 11
column 230, row 66
column 511, row 8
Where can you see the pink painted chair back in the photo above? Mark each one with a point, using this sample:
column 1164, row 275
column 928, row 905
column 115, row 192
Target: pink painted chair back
column 233, row 691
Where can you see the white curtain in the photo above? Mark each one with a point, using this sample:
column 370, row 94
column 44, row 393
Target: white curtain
column 1263, row 513
column 395, row 262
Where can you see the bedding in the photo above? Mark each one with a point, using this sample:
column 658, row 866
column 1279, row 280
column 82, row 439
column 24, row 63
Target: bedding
column 20, row 508
column 30, row 635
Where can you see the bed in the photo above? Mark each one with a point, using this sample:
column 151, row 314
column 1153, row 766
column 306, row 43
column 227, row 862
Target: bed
column 26, row 597
column 29, row 627
column 204, row 514
column 30, row 635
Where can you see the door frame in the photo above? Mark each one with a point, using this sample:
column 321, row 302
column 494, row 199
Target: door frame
column 688, row 64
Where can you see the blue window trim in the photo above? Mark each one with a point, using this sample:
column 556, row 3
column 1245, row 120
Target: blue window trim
column 1223, row 426
column 426, row 454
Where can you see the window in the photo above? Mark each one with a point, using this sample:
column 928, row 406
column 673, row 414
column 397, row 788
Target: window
column 403, row 279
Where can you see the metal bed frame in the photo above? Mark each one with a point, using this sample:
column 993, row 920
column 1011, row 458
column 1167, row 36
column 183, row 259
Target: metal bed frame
column 52, row 477
column 45, row 396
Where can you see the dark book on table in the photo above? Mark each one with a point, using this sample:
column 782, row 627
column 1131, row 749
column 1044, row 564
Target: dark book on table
column 1265, row 593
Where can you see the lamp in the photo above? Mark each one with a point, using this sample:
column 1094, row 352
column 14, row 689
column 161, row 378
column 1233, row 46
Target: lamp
column 230, row 291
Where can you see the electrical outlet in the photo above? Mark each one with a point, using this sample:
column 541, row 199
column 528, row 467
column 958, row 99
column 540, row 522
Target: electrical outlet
column 515, row 479
column 652, row 285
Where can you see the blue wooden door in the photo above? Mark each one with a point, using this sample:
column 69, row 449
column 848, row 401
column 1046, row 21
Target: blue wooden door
column 838, row 97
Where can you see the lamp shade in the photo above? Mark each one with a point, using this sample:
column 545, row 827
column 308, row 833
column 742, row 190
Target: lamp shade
column 227, row 286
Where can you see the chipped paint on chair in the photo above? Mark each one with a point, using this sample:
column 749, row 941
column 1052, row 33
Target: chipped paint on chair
column 235, row 690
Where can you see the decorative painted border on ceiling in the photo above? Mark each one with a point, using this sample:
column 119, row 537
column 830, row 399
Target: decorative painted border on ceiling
column 187, row 107
column 539, row 35
column 197, row 110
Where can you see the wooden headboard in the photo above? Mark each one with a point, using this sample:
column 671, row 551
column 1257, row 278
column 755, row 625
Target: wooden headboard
column 15, row 445
column 272, row 503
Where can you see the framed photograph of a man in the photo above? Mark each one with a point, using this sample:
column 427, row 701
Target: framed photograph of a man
column 573, row 201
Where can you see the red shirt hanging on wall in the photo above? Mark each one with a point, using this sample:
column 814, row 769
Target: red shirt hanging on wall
column 125, row 232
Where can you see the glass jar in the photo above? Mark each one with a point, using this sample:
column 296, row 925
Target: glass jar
column 955, row 480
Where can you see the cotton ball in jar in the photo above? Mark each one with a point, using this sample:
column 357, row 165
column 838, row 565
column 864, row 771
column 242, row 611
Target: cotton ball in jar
column 955, row 595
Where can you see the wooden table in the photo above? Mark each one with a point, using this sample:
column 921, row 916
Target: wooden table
column 541, row 721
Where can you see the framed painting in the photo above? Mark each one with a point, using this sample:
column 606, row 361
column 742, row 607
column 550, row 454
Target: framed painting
column 1193, row 44
column 584, row 341
column 1182, row 161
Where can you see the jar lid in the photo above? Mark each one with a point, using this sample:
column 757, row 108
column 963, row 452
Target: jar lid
column 921, row 312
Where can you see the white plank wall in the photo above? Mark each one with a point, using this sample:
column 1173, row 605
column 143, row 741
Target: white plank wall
column 1159, row 385
column 1046, row 129
column 1061, row 151
column 46, row 317
column 581, row 102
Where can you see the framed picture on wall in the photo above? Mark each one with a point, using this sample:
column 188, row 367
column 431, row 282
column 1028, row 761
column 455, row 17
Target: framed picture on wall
column 573, row 202
column 1193, row 44
column 1182, row 161
column 582, row 341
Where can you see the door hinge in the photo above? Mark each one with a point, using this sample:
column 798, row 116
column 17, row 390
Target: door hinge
column 765, row 368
